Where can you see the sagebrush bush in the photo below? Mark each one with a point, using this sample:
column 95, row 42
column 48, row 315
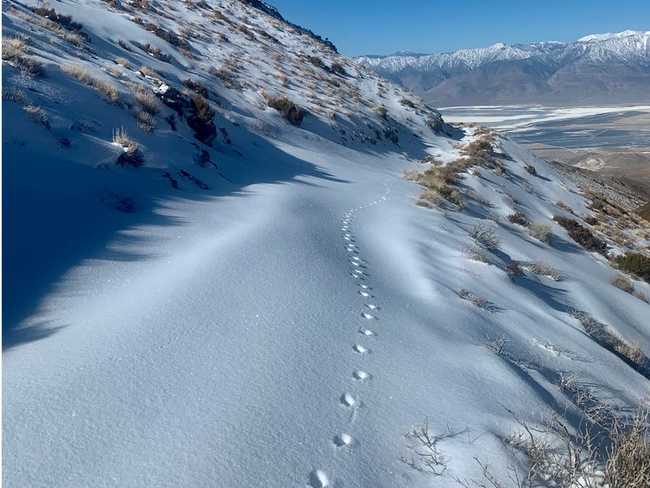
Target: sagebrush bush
column 581, row 235
column 38, row 115
column 289, row 110
column 518, row 218
column 636, row 264
column 82, row 74
column 147, row 100
column 131, row 154
column 623, row 283
column 541, row 232
column 13, row 48
column 485, row 235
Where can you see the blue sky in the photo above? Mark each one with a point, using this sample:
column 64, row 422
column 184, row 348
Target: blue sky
column 386, row 26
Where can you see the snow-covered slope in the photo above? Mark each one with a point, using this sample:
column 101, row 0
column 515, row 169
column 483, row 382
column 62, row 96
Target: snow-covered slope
column 550, row 70
column 249, row 296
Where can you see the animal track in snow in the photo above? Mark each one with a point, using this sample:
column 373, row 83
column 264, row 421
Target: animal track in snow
column 364, row 294
column 318, row 479
column 368, row 316
column 372, row 306
column 361, row 375
column 359, row 349
column 367, row 332
column 343, row 440
column 348, row 400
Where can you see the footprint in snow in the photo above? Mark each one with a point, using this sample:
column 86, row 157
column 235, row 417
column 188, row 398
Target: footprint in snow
column 348, row 400
column 364, row 294
column 360, row 375
column 318, row 479
column 367, row 332
column 343, row 440
column 372, row 306
column 368, row 316
column 359, row 349
column 364, row 287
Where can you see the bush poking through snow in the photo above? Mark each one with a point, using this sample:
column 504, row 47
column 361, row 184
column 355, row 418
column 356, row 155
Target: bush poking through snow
column 131, row 154
column 287, row 108
column 542, row 269
column 476, row 253
column 438, row 182
column 423, row 452
column 13, row 48
column 622, row 283
column 541, row 232
column 81, row 74
column 531, row 169
column 147, row 100
column 518, row 218
column 38, row 115
column 145, row 121
column 407, row 103
column 600, row 333
column 480, row 302
column 636, row 264
column 581, row 235
column 200, row 120
column 485, row 235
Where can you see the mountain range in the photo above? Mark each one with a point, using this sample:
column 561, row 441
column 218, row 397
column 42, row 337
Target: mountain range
column 611, row 67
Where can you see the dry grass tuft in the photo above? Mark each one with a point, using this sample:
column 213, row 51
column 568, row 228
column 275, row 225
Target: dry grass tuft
column 622, row 283
column 541, row 232
column 147, row 100
column 82, row 74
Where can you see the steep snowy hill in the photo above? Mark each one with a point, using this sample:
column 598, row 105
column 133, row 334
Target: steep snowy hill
column 613, row 67
column 216, row 273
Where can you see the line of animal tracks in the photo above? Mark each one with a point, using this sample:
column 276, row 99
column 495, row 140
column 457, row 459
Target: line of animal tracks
column 364, row 334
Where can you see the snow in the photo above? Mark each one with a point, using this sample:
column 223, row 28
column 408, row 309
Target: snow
column 288, row 325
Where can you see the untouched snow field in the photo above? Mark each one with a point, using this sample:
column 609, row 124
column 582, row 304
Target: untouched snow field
column 288, row 322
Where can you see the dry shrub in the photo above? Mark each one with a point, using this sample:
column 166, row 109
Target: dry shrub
column 287, row 108
column 476, row 300
column 131, row 154
column 13, row 95
column 481, row 152
column 518, row 218
column 623, row 283
column 438, row 182
column 476, row 253
column 485, row 235
column 146, row 99
column 542, row 269
column 145, row 121
column 122, row 62
column 541, row 232
column 38, row 115
column 628, row 459
column 636, row 264
column 13, row 48
column 630, row 354
column 581, row 235
column 78, row 72
column 81, row 74
column 107, row 89
column 147, row 71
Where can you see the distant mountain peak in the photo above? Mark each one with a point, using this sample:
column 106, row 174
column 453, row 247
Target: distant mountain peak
column 608, row 67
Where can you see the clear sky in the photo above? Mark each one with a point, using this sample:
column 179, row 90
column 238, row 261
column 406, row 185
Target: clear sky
column 386, row 26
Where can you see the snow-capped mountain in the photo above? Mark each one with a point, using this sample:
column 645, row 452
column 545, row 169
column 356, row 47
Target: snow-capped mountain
column 233, row 257
column 613, row 67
